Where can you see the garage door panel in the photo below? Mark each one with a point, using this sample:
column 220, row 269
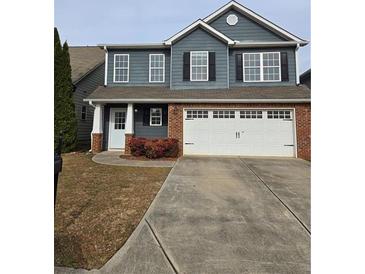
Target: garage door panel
column 239, row 132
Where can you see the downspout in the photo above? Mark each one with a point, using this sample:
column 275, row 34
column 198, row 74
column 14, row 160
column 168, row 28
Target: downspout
column 106, row 67
column 227, row 67
column 171, row 66
column 297, row 64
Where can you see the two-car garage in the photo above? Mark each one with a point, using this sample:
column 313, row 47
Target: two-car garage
column 248, row 132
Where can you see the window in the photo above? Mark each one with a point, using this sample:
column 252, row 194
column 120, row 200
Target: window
column 156, row 117
column 191, row 114
column 223, row 114
column 261, row 67
column 157, row 68
column 251, row 114
column 121, row 68
column 119, row 120
column 271, row 66
column 252, row 67
column 198, row 66
column 83, row 113
column 279, row 114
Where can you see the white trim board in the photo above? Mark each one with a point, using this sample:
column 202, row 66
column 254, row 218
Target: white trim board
column 256, row 17
column 137, row 100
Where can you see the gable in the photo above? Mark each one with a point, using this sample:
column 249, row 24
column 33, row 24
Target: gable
column 199, row 36
column 202, row 25
column 245, row 29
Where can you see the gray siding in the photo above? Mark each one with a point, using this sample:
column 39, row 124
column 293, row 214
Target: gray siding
column 138, row 67
column 139, row 129
column 82, row 89
column 147, row 131
column 195, row 41
column 291, row 67
column 244, row 30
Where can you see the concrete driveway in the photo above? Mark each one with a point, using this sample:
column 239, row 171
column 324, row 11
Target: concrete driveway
column 224, row 215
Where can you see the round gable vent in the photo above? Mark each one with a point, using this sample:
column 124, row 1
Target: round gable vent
column 232, row 19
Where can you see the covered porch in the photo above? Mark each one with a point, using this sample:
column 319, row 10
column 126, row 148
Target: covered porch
column 114, row 124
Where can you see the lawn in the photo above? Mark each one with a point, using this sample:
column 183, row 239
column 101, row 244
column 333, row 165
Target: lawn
column 98, row 207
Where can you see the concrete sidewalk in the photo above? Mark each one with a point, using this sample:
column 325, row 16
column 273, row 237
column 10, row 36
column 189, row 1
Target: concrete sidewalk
column 215, row 215
column 112, row 158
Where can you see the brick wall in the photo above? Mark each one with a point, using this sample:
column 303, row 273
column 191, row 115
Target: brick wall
column 302, row 112
column 97, row 142
column 127, row 149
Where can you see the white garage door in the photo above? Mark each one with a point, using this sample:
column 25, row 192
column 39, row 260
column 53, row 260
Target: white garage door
column 250, row 132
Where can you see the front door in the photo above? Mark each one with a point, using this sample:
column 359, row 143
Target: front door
column 117, row 128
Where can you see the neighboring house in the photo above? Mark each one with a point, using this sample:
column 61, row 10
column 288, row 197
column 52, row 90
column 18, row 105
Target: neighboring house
column 227, row 84
column 305, row 78
column 87, row 64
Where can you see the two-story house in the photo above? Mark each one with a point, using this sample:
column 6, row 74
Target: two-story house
column 227, row 84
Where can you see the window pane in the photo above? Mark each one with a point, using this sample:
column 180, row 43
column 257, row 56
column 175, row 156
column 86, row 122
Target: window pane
column 271, row 66
column 199, row 66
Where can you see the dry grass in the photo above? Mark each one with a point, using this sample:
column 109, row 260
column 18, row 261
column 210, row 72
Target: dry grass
column 98, row 207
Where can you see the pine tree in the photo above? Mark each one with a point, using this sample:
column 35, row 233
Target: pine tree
column 64, row 109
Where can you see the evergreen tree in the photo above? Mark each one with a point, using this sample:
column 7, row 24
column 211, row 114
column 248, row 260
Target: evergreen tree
column 64, row 109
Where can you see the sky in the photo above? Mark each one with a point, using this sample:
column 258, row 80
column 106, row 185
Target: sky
column 92, row 22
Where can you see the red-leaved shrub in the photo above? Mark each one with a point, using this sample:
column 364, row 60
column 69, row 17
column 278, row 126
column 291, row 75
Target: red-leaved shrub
column 137, row 146
column 154, row 148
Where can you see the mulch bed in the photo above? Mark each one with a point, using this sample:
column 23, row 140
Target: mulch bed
column 98, row 207
column 144, row 158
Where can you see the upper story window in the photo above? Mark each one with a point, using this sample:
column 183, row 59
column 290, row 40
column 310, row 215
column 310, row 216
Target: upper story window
column 121, row 68
column 199, row 66
column 155, row 116
column 261, row 67
column 157, row 68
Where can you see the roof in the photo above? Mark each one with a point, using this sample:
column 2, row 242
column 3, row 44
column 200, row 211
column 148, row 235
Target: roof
column 257, row 18
column 135, row 46
column 84, row 59
column 305, row 74
column 203, row 25
column 163, row 94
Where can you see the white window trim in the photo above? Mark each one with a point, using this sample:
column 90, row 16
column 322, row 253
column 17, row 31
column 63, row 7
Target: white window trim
column 114, row 68
column 163, row 68
column 261, row 67
column 191, row 66
column 155, row 125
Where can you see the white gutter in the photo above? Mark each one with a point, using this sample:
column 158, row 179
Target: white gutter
column 106, row 66
column 267, row 44
column 139, row 46
column 90, row 103
column 198, row 100
column 297, row 64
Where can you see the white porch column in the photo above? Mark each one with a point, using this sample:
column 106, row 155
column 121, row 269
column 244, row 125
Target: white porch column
column 129, row 125
column 98, row 119
column 97, row 132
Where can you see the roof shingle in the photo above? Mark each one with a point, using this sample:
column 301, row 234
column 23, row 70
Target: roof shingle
column 84, row 59
column 283, row 93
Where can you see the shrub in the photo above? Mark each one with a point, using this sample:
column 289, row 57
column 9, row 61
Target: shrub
column 137, row 146
column 154, row 148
